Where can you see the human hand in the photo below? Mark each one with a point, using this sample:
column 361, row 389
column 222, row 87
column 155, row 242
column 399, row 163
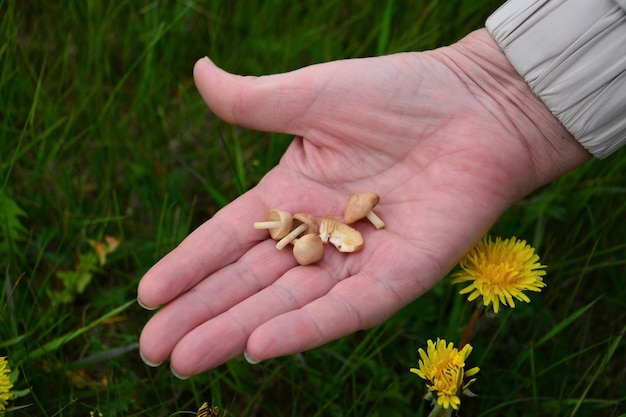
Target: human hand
column 448, row 138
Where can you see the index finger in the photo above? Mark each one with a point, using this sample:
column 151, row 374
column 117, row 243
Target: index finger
column 215, row 244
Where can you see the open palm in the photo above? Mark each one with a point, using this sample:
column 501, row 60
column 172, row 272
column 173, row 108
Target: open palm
column 449, row 140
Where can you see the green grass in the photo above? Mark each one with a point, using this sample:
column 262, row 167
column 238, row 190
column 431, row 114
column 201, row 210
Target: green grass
column 103, row 134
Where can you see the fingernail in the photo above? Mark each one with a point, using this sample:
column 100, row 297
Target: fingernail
column 142, row 305
column 182, row 378
column 249, row 358
column 149, row 363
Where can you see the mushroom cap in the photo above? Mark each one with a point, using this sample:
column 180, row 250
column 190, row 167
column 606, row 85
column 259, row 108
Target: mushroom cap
column 285, row 219
column 305, row 218
column 308, row 249
column 340, row 235
column 303, row 223
column 359, row 205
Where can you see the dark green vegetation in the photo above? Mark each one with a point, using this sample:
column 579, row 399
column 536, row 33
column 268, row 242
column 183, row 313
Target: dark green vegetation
column 103, row 134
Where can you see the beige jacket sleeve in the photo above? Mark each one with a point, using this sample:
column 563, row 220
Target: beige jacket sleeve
column 572, row 54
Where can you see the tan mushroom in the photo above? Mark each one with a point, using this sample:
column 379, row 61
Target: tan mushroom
column 360, row 206
column 278, row 223
column 303, row 223
column 308, row 249
column 340, row 235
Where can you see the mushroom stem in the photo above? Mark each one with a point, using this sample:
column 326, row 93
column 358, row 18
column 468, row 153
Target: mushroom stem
column 291, row 236
column 266, row 225
column 360, row 206
column 375, row 220
column 278, row 223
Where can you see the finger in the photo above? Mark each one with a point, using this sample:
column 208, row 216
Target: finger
column 348, row 308
column 357, row 303
column 215, row 244
column 224, row 238
column 273, row 103
column 255, row 270
column 224, row 337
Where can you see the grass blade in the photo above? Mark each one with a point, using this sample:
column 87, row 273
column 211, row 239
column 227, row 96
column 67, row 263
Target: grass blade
column 62, row 340
column 600, row 369
column 558, row 329
column 562, row 325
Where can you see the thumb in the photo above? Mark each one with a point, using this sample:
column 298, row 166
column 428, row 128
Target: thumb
column 272, row 103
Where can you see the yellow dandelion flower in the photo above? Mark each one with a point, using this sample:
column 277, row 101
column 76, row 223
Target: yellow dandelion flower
column 439, row 356
column 5, row 383
column 447, row 386
column 443, row 368
column 500, row 271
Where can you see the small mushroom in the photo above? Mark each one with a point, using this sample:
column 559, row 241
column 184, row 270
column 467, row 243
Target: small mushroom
column 360, row 206
column 340, row 235
column 303, row 223
column 308, row 249
column 278, row 223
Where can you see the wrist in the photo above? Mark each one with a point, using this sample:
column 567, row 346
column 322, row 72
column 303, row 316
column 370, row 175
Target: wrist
column 552, row 150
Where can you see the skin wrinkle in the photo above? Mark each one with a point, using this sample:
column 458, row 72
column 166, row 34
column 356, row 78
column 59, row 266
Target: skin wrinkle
column 221, row 235
column 260, row 339
column 234, row 348
column 352, row 313
column 430, row 168
column 308, row 170
column 163, row 350
column 238, row 108
column 310, row 165
column 242, row 267
column 249, row 274
column 187, row 346
column 474, row 81
column 306, row 124
column 206, row 302
column 399, row 299
column 305, row 166
column 318, row 330
column 506, row 119
column 555, row 139
column 417, row 283
column 428, row 250
column 364, row 322
column 284, row 296
column 269, row 253
column 313, row 133
column 502, row 115
column 337, row 297
column 330, row 274
column 411, row 284
column 199, row 317
column 308, row 275
column 200, row 271
column 432, row 173
column 244, row 326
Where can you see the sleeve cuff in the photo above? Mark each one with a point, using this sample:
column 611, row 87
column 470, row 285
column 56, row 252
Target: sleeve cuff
column 572, row 54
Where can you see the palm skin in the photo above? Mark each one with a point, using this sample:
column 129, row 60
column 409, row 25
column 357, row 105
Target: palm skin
column 448, row 138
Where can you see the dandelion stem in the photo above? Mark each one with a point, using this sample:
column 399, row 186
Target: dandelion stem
column 437, row 411
column 467, row 334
